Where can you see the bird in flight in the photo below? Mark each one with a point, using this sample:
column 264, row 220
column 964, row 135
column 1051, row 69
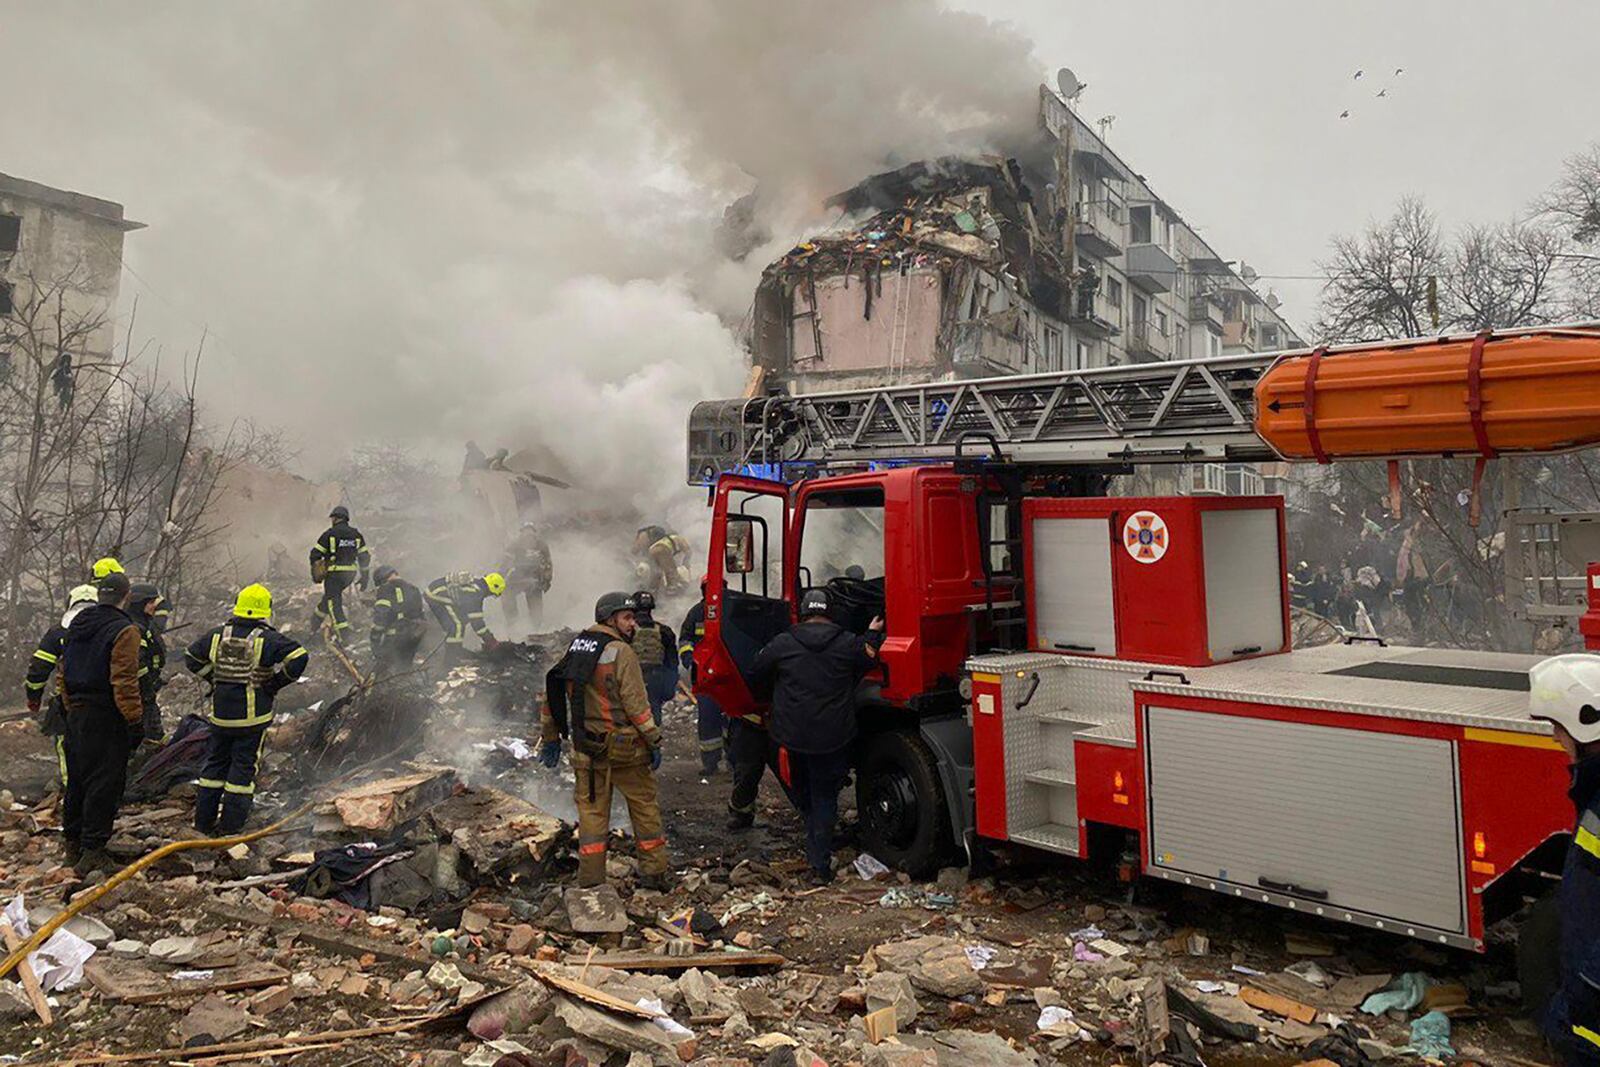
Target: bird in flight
column 1345, row 113
column 1384, row 91
column 1357, row 75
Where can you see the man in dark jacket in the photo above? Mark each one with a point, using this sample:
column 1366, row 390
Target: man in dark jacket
column 456, row 600
column 1565, row 691
column 814, row 668
column 99, row 684
column 399, row 620
column 710, row 722
column 148, row 608
column 247, row 662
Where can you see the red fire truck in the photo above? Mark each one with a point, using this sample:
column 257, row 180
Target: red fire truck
column 1109, row 675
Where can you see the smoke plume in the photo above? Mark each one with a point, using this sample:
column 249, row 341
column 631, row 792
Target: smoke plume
column 429, row 222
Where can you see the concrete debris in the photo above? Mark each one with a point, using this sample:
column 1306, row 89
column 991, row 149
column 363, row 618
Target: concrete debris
column 596, row 910
column 938, row 965
column 382, row 805
column 887, row 989
column 211, row 1020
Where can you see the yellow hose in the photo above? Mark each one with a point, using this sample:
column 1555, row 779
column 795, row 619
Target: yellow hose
column 41, row 935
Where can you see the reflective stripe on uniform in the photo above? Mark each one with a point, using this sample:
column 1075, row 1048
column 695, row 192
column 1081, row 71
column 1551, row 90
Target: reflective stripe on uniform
column 61, row 758
column 246, row 790
column 34, row 685
column 590, row 848
column 1588, row 841
column 41, row 654
column 650, row 844
column 1587, row 1034
column 210, row 783
column 713, row 745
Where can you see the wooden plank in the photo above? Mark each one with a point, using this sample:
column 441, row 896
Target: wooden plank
column 881, row 1025
column 30, row 981
column 1271, row 1002
column 258, row 1043
column 133, row 983
column 705, row 961
column 589, row 994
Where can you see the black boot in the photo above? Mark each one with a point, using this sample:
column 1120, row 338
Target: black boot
column 741, row 820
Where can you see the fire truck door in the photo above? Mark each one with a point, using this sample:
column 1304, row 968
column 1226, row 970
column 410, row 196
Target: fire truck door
column 746, row 602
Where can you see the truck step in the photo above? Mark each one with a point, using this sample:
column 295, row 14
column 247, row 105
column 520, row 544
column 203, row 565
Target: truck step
column 1064, row 718
column 1052, row 777
column 1050, row 836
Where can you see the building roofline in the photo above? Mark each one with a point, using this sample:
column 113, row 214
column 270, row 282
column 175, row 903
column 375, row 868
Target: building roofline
column 78, row 203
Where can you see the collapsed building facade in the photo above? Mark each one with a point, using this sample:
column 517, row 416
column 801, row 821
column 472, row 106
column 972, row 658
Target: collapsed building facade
column 1057, row 258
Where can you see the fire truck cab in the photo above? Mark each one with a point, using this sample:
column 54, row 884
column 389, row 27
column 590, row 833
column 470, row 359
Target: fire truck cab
column 1112, row 676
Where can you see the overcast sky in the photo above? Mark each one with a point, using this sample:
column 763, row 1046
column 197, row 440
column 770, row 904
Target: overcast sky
column 1230, row 108
column 429, row 221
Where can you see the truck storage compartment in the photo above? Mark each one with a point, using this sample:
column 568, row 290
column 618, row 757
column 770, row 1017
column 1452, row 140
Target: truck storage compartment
column 1345, row 820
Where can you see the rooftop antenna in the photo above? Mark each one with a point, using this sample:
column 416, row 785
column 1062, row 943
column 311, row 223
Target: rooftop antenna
column 1104, row 122
column 1071, row 88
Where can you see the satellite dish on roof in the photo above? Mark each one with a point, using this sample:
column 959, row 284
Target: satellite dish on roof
column 1069, row 84
column 1248, row 273
column 1273, row 302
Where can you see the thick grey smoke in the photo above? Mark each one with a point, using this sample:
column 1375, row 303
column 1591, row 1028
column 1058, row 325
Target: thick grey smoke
column 435, row 221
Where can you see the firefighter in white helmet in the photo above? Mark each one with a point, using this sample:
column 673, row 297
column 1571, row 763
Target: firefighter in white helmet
column 1565, row 692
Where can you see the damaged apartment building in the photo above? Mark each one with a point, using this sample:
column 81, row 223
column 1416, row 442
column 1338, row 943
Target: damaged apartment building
column 1059, row 258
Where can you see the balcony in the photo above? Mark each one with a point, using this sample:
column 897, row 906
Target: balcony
column 1100, row 226
column 1147, row 343
column 1152, row 268
column 1238, row 334
column 1097, row 316
column 1224, row 479
column 1206, row 312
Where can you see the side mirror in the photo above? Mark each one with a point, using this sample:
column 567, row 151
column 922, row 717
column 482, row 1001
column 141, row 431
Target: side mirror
column 740, row 556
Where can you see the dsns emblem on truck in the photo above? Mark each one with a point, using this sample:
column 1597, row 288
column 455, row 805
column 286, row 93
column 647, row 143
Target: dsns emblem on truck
column 1144, row 535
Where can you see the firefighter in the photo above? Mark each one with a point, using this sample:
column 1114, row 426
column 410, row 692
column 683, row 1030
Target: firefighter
column 398, row 623
column 710, row 723
column 457, row 602
column 596, row 696
column 664, row 558
column 103, row 566
column 247, row 662
column 339, row 557
column 814, row 668
column 52, row 719
column 1565, row 691
column 529, row 573
column 656, row 646
column 99, row 686
column 149, row 609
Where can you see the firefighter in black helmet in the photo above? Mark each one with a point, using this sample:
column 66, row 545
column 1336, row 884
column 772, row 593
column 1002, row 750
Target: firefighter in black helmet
column 399, row 620
column 339, row 558
column 148, row 608
column 656, row 646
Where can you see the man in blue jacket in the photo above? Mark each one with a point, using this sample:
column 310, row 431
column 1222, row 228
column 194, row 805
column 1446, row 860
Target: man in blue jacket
column 1565, row 691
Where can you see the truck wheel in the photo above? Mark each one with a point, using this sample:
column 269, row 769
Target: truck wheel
column 904, row 821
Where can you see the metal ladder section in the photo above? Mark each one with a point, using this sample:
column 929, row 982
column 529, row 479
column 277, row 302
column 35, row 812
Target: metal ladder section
column 1050, row 782
column 1175, row 412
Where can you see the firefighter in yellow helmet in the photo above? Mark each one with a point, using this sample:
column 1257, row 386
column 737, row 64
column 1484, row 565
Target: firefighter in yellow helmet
column 456, row 600
column 247, row 662
column 596, row 696
column 106, row 565
column 664, row 562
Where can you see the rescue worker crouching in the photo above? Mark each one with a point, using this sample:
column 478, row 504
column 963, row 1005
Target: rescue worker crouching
column 595, row 695
column 654, row 643
column 1565, row 691
column 99, row 686
column 457, row 602
column 665, row 557
column 48, row 710
column 339, row 558
column 710, row 724
column 398, row 623
column 149, row 609
column 247, row 662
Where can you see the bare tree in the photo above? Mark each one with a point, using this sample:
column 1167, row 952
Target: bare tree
column 1571, row 206
column 1504, row 275
column 1379, row 281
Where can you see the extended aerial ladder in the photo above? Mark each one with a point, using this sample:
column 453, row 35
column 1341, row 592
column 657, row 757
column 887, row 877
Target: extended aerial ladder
column 1524, row 390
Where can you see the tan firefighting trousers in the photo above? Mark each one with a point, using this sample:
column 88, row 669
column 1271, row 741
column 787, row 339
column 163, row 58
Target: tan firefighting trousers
column 633, row 778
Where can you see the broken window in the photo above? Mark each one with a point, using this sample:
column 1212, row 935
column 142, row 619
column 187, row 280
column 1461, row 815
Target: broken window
column 6, row 305
column 10, row 233
column 1052, row 349
column 1139, row 224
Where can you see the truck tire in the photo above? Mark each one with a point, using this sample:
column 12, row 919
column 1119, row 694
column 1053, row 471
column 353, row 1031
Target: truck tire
column 904, row 821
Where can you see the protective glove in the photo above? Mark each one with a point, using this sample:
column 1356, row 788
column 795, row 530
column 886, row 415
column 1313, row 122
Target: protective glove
column 490, row 642
column 361, row 582
column 33, row 707
column 655, row 758
column 550, row 754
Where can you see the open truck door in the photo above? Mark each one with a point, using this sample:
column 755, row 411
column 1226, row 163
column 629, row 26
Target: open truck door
column 747, row 595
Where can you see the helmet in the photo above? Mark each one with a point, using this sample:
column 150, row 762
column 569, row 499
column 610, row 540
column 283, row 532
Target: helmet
column 611, row 603
column 383, row 574
column 144, row 593
column 255, row 602
column 107, row 565
column 496, row 582
column 1566, row 690
column 644, row 600
column 87, row 593
column 340, row 513
column 815, row 602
